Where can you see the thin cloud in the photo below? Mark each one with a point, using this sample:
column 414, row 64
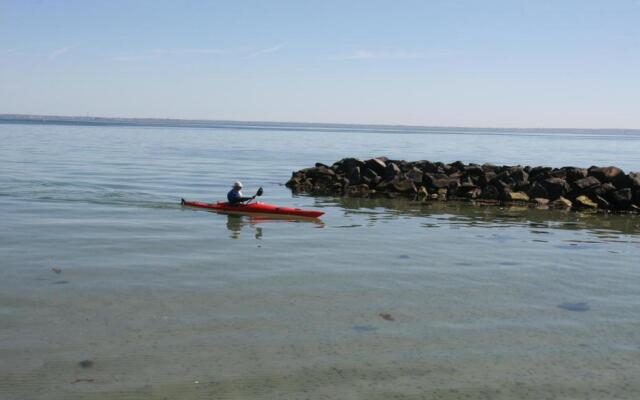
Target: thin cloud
column 383, row 55
column 59, row 52
column 162, row 52
column 364, row 54
column 156, row 53
column 267, row 50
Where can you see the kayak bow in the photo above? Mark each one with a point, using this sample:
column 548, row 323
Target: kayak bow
column 253, row 208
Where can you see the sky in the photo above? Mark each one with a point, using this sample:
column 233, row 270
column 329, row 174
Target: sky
column 511, row 63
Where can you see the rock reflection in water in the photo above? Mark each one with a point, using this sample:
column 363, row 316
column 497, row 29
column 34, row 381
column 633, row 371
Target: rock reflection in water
column 604, row 227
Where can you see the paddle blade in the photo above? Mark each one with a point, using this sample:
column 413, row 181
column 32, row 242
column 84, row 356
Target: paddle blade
column 259, row 191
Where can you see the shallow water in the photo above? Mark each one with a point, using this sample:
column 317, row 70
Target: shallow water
column 381, row 299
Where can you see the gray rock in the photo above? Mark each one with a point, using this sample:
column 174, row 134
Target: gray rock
column 404, row 186
column 583, row 201
column 473, row 193
column 561, row 202
column 391, row 172
column 603, row 190
column 518, row 174
column 353, row 175
column 586, row 183
column 490, row 192
column 537, row 190
column 430, row 168
column 555, row 187
column 377, row 165
column 621, row 199
column 541, row 201
column 415, row 174
column 517, row 196
column 605, row 174
column 473, row 170
column 573, row 173
column 539, row 173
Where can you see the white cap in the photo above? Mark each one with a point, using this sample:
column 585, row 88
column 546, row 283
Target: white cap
column 238, row 184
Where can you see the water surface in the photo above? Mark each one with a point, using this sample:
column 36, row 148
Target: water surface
column 110, row 289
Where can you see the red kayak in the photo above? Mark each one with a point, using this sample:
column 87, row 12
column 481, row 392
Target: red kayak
column 254, row 208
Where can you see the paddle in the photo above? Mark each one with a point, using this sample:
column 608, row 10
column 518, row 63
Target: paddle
column 258, row 193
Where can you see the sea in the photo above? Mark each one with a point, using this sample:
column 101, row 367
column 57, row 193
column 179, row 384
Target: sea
column 110, row 289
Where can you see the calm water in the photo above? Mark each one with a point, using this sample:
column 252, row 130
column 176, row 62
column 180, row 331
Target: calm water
column 380, row 300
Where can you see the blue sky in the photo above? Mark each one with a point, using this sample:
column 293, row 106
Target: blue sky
column 505, row 63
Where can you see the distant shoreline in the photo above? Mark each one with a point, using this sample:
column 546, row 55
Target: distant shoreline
column 203, row 123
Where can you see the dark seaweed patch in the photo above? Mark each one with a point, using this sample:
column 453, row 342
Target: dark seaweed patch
column 364, row 328
column 578, row 307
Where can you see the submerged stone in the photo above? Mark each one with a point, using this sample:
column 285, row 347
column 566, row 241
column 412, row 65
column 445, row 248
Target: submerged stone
column 387, row 316
column 364, row 328
column 578, row 307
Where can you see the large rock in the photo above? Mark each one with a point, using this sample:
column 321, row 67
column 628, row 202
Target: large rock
column 522, row 187
column 537, row 191
column 507, row 183
column 391, row 172
column 573, row 173
column 541, row 202
column 603, row 190
column 489, row 168
column 487, row 178
column 474, row 193
column 558, row 173
column 473, row 170
column 377, row 165
column 465, row 188
column 634, row 179
column 517, row 196
column 586, row 183
column 622, row 198
column 321, row 170
column 353, row 175
column 439, row 181
column 490, row 192
column 518, row 174
column 404, row 186
column 457, row 166
column 585, row 202
column 539, row 173
column 561, row 202
column 556, row 187
column 602, row 202
column 415, row 174
column 606, row 174
column 369, row 177
column 428, row 167
column 294, row 182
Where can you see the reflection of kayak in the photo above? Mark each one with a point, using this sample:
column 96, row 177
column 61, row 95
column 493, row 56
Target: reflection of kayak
column 254, row 208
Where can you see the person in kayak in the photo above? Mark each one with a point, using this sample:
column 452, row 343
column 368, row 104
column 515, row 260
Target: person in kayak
column 234, row 197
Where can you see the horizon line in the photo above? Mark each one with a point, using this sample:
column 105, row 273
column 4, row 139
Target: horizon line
column 149, row 121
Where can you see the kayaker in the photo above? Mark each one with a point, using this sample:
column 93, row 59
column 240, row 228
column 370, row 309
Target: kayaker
column 235, row 197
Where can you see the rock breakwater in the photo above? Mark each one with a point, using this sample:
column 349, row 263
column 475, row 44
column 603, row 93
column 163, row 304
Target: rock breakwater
column 598, row 188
